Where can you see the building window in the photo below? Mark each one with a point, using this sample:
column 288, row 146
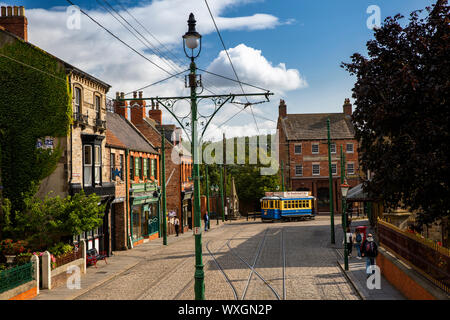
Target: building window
column 98, row 165
column 315, row 148
column 298, row 149
column 316, row 169
column 147, row 171
column 121, row 166
column 299, row 170
column 333, row 148
column 154, row 169
column 333, row 168
column 350, row 168
column 138, row 167
column 113, row 167
column 77, row 100
column 349, row 148
column 131, row 167
column 87, row 166
column 97, row 107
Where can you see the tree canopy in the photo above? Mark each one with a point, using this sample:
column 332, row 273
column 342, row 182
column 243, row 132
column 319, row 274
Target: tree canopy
column 402, row 111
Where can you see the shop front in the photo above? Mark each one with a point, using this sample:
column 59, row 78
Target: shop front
column 186, row 205
column 144, row 213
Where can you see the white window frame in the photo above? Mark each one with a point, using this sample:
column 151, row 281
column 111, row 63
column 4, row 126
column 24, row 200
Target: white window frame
column 318, row 148
column 346, row 147
column 78, row 103
column 299, row 166
column 87, row 173
column 312, row 170
column 98, row 164
column 298, row 145
column 331, row 147
column 348, row 171
column 334, row 172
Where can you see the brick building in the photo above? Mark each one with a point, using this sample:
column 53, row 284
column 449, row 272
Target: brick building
column 178, row 160
column 303, row 147
column 84, row 149
column 134, row 167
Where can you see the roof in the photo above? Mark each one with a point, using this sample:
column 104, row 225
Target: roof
column 357, row 194
column 314, row 126
column 68, row 66
column 124, row 133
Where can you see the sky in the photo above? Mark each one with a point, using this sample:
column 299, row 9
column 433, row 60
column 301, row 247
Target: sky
column 294, row 48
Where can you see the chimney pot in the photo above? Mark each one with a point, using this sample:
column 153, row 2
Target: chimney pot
column 16, row 11
column 14, row 21
column 282, row 109
column 134, row 95
column 22, row 11
column 140, row 94
column 10, row 11
column 3, row 11
column 348, row 108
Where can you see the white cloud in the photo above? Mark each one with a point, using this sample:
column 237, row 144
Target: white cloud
column 253, row 68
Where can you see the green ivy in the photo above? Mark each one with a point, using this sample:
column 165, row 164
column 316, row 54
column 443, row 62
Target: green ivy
column 33, row 105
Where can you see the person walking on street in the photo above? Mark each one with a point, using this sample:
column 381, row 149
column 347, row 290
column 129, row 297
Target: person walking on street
column 358, row 240
column 206, row 218
column 369, row 249
column 177, row 225
column 349, row 236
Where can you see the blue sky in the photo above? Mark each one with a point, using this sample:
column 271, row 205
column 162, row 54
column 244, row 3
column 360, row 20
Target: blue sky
column 312, row 37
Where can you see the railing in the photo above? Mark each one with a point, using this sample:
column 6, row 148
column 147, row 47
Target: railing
column 16, row 276
column 80, row 118
column 428, row 258
column 67, row 258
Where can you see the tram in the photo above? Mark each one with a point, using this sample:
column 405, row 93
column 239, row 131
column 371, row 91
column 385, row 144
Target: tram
column 288, row 206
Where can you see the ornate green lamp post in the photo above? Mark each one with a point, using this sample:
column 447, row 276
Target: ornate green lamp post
column 344, row 190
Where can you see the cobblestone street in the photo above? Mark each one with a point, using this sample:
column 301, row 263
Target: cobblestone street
column 294, row 258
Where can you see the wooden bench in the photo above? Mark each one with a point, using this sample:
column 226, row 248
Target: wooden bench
column 92, row 256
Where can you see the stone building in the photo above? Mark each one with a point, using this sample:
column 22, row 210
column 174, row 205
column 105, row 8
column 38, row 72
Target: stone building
column 82, row 166
column 303, row 151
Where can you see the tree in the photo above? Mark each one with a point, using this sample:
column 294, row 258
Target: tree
column 46, row 222
column 402, row 114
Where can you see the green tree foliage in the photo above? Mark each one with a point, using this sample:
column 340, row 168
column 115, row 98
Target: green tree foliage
column 402, row 115
column 34, row 104
column 44, row 223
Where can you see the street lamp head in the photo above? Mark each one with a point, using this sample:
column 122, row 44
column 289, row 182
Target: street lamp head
column 344, row 189
column 192, row 37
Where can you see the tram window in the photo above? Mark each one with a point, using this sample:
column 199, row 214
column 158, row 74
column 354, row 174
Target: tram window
column 297, row 204
column 284, row 205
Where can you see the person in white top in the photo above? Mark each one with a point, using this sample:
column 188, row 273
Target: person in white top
column 349, row 236
column 177, row 225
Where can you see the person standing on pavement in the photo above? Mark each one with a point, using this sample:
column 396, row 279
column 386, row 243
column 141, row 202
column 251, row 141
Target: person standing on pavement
column 177, row 225
column 369, row 249
column 357, row 241
column 349, row 236
column 206, row 218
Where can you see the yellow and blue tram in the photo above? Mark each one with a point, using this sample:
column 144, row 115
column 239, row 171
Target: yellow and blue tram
column 278, row 208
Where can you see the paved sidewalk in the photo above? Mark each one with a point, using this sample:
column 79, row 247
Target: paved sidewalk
column 357, row 273
column 119, row 263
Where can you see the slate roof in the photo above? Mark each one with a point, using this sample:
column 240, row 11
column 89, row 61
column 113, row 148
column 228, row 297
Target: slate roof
column 124, row 133
column 314, row 126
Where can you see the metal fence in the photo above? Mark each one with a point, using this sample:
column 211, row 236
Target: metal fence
column 16, row 276
column 67, row 258
column 428, row 258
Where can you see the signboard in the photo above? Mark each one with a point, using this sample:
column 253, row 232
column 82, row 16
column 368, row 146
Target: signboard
column 289, row 194
column 45, row 143
column 197, row 231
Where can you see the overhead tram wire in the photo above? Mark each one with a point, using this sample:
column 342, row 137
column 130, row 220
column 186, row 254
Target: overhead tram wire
column 231, row 62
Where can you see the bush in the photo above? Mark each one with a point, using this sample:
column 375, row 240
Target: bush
column 60, row 249
column 22, row 258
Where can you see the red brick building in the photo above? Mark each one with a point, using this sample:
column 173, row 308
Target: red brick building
column 178, row 160
column 303, row 147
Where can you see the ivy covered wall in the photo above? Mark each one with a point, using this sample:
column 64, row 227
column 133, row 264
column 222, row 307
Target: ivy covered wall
column 35, row 102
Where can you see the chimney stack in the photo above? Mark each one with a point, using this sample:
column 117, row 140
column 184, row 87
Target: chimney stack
column 137, row 109
column 155, row 113
column 282, row 109
column 13, row 20
column 348, row 108
column 120, row 107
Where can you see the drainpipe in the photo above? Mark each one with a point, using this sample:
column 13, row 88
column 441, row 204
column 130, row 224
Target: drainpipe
column 127, row 195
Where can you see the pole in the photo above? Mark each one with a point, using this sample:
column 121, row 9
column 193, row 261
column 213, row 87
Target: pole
column 344, row 211
column 163, row 184
column 330, row 183
column 221, row 194
column 225, row 176
column 199, row 273
column 207, row 196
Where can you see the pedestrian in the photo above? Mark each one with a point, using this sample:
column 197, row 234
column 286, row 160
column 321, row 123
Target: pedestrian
column 177, row 225
column 349, row 236
column 206, row 218
column 369, row 249
column 358, row 240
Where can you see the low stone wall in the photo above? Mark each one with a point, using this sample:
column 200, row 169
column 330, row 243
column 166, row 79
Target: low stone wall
column 408, row 281
column 61, row 274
